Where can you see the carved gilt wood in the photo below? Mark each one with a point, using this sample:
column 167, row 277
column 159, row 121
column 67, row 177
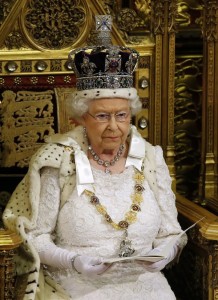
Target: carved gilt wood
column 210, row 106
column 179, row 111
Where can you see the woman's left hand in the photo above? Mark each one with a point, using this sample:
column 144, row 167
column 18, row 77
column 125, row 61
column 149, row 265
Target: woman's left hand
column 156, row 266
column 161, row 264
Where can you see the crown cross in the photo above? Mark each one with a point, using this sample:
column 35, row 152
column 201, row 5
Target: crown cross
column 113, row 64
column 103, row 22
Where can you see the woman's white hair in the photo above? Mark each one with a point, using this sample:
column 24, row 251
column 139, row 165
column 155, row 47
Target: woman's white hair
column 78, row 102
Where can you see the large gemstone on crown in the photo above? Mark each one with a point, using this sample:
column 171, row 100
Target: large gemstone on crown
column 99, row 82
column 113, row 65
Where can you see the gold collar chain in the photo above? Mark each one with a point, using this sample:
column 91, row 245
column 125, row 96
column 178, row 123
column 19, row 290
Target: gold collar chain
column 131, row 215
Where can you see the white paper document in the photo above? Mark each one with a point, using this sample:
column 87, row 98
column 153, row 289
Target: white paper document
column 152, row 258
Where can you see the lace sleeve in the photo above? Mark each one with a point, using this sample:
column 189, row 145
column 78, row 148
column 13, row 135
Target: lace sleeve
column 166, row 200
column 41, row 236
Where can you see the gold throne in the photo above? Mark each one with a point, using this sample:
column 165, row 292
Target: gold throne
column 176, row 79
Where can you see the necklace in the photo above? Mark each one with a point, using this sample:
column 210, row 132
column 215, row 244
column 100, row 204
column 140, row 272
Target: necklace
column 130, row 216
column 106, row 163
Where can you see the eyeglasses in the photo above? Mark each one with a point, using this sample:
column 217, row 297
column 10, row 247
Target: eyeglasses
column 106, row 117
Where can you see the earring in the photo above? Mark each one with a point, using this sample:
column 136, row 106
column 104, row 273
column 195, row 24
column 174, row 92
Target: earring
column 84, row 132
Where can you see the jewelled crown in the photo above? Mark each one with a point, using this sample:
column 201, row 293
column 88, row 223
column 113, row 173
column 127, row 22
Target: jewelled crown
column 105, row 66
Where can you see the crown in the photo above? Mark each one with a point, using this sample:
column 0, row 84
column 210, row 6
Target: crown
column 104, row 66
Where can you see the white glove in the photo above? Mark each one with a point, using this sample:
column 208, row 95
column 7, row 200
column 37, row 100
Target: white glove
column 56, row 257
column 161, row 264
column 89, row 266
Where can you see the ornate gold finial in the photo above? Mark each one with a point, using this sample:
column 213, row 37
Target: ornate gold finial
column 9, row 240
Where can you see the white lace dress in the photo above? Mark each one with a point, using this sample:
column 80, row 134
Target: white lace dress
column 79, row 227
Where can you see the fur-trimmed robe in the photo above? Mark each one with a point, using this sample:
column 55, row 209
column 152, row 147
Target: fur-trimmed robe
column 21, row 212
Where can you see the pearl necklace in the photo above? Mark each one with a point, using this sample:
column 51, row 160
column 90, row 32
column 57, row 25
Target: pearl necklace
column 106, row 163
column 130, row 216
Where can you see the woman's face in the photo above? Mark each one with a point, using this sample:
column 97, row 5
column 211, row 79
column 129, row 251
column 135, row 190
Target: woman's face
column 111, row 133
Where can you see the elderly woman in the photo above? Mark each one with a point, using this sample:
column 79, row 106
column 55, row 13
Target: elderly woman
column 97, row 192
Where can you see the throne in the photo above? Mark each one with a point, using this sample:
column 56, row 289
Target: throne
column 36, row 78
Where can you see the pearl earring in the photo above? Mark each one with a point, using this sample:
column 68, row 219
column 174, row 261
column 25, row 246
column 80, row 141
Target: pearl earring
column 84, row 132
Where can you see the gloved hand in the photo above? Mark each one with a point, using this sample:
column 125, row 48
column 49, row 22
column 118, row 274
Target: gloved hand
column 160, row 265
column 56, row 257
column 89, row 266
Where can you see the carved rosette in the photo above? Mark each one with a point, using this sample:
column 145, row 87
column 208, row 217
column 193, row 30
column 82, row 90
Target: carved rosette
column 54, row 24
column 133, row 22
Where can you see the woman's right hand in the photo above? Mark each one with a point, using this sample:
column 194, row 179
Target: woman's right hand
column 89, row 266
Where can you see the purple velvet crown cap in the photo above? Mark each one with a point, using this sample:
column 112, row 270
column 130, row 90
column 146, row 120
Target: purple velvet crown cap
column 104, row 67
